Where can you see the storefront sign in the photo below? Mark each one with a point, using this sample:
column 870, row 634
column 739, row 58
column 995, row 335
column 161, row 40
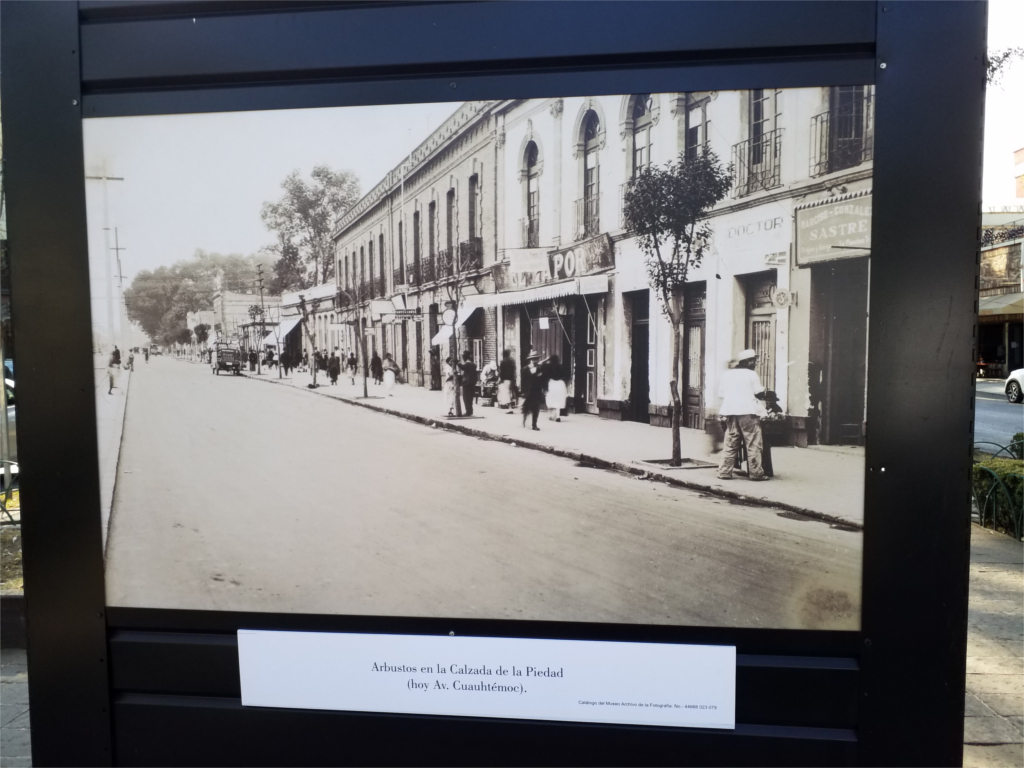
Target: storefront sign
column 776, row 259
column 577, row 260
column 835, row 229
column 582, row 681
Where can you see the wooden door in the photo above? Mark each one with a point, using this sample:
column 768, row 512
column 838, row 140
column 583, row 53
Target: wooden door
column 694, row 328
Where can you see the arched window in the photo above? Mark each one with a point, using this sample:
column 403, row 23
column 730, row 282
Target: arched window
column 531, row 232
column 587, row 209
column 642, row 123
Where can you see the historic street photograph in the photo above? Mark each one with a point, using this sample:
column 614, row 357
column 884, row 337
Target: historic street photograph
column 596, row 359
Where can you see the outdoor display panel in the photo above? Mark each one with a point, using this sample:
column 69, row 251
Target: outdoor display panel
column 231, row 493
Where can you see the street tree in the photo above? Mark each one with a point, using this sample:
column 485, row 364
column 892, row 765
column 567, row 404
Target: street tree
column 455, row 267
column 308, row 309
column 666, row 207
column 354, row 299
column 304, row 217
column 202, row 332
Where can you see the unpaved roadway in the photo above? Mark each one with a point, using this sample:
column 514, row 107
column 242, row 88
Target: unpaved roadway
column 234, row 494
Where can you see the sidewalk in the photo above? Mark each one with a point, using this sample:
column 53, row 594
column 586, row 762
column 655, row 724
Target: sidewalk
column 826, row 482
column 994, row 715
column 110, row 410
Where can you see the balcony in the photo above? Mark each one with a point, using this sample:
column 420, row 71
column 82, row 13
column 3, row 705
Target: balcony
column 398, row 277
column 427, row 271
column 758, row 163
column 471, row 254
column 531, row 232
column 586, row 214
column 444, row 264
column 843, row 137
column 623, row 189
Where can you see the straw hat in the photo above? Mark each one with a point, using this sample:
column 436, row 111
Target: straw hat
column 746, row 354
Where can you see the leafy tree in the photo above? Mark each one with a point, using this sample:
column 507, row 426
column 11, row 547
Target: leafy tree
column 998, row 62
column 667, row 207
column 159, row 300
column 303, row 220
column 184, row 336
column 288, row 271
column 202, row 332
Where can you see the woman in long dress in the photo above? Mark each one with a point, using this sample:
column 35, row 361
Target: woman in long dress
column 556, row 394
column 390, row 373
column 449, row 386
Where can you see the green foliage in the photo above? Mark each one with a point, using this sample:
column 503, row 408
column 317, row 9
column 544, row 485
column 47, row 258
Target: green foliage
column 666, row 208
column 303, row 220
column 1017, row 445
column 1000, row 499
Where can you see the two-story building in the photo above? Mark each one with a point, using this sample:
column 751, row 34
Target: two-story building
column 519, row 203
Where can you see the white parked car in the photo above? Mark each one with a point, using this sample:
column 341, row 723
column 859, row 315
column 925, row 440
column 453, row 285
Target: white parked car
column 1015, row 386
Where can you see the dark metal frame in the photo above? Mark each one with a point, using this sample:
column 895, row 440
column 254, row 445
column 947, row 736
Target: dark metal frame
column 161, row 687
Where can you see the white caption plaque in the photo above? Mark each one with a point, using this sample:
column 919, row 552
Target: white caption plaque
column 577, row 680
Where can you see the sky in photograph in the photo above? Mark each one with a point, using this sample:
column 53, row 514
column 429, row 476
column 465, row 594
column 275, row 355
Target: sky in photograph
column 199, row 181
column 1004, row 106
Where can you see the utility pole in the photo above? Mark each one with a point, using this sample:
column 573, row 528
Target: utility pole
column 106, row 242
column 263, row 310
column 120, row 291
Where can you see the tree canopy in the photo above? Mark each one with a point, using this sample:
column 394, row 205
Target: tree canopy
column 159, row 300
column 665, row 206
column 302, row 220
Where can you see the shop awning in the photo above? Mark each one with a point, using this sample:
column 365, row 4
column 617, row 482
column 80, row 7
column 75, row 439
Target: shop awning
column 1006, row 304
column 575, row 287
column 283, row 328
column 441, row 337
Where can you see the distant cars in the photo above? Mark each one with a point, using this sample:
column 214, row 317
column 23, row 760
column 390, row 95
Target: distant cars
column 1015, row 386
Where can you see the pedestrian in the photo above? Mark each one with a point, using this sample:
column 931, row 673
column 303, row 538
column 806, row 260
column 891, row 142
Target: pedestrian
column 334, row 367
column 449, row 385
column 113, row 369
column 376, row 368
column 252, row 359
column 532, row 389
column 390, row 373
column 353, row 363
column 145, row 353
column 130, row 365
column 742, row 412
column 507, row 381
column 305, row 361
column 556, row 390
column 469, row 379
column 435, row 369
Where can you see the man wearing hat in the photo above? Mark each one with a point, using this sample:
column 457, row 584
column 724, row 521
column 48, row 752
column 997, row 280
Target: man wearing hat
column 742, row 411
column 532, row 388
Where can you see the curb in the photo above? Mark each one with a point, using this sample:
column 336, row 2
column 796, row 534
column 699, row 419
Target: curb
column 599, row 463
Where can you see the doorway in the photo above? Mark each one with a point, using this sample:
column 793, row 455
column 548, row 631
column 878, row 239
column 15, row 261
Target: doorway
column 838, row 365
column 639, row 306
column 694, row 318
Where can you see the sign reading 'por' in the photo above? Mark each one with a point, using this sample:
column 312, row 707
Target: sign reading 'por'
column 833, row 230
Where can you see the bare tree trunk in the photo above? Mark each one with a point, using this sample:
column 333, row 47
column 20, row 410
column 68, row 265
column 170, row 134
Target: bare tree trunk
column 362, row 347
column 455, row 371
column 677, row 458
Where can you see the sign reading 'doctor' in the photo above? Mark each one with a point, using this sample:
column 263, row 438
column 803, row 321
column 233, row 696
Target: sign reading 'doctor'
column 587, row 681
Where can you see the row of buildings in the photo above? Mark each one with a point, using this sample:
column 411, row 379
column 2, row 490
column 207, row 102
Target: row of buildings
column 510, row 212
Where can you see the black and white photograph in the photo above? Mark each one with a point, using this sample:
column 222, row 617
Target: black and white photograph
column 591, row 359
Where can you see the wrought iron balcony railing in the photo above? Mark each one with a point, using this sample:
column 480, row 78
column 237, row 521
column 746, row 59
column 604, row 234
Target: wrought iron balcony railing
column 445, row 264
column 471, row 254
column 758, row 163
column 586, row 214
column 427, row 270
column 843, row 137
column 531, row 232
column 398, row 277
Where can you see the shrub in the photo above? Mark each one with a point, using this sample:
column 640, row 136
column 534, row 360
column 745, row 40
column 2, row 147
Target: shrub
column 1017, row 445
column 998, row 488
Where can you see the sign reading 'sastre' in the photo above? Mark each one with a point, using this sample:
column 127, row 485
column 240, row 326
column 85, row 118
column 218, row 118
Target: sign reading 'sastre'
column 833, row 229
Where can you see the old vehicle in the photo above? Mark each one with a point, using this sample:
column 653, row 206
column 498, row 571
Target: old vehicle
column 226, row 357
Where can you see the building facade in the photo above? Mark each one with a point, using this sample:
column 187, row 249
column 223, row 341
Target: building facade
column 529, row 193
column 1001, row 293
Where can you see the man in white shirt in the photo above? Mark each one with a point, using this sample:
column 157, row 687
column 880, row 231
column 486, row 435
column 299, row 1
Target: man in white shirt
column 742, row 411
